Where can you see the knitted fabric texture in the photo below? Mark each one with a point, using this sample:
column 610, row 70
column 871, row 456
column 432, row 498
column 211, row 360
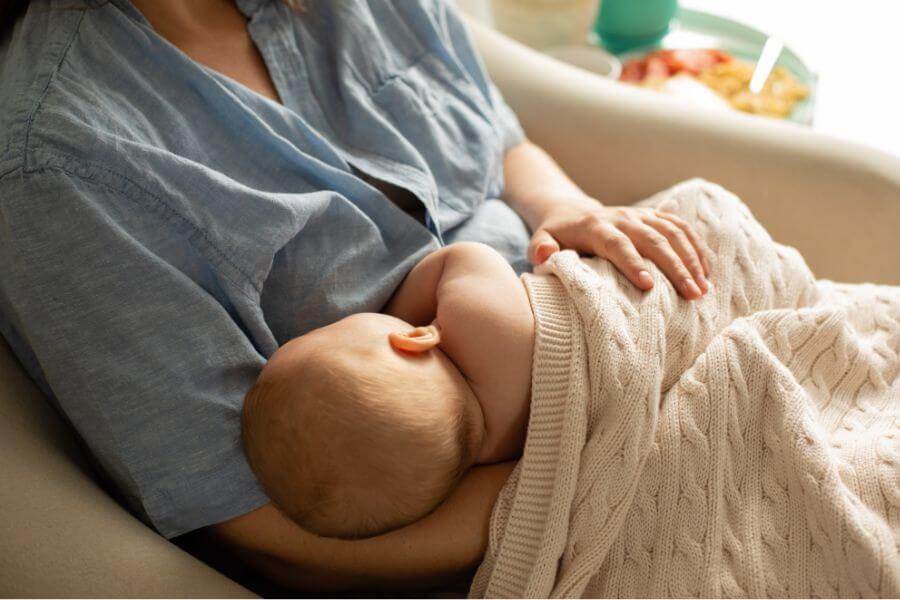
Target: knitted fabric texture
column 742, row 445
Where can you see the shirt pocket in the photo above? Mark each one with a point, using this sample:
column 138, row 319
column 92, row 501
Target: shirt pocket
column 449, row 121
column 411, row 89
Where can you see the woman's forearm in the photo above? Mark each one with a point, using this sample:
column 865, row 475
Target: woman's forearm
column 534, row 183
column 436, row 550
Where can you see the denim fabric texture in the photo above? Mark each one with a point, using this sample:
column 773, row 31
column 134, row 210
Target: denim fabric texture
column 163, row 229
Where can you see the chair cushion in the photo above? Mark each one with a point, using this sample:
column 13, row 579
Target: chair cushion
column 60, row 533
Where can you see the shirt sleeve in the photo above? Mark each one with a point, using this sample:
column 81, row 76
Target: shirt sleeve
column 504, row 118
column 142, row 356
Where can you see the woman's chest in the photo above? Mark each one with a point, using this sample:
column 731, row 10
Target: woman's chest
column 237, row 58
column 386, row 90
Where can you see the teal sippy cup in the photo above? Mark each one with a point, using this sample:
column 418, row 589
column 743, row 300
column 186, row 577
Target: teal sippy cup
column 625, row 24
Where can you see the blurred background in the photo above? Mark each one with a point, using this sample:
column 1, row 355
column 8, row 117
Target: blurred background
column 842, row 53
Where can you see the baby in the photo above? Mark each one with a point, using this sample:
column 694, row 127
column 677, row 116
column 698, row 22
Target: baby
column 367, row 424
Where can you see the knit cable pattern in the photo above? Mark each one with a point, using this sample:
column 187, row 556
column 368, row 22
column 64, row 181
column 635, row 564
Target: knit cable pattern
column 743, row 445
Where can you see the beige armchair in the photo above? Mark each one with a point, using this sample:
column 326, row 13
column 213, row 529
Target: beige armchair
column 838, row 203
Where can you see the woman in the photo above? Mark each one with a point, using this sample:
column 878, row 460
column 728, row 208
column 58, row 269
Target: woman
column 186, row 185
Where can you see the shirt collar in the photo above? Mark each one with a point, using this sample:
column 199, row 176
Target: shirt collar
column 248, row 7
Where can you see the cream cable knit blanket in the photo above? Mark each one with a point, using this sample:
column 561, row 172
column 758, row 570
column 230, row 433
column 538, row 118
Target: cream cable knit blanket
column 744, row 445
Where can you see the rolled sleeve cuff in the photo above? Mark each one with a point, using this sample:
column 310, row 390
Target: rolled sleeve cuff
column 214, row 497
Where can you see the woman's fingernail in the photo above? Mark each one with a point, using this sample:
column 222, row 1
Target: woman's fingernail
column 704, row 283
column 691, row 289
column 645, row 279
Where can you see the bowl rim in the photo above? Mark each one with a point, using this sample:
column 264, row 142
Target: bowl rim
column 559, row 52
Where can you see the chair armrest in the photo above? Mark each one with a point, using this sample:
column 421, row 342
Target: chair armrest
column 835, row 201
column 60, row 533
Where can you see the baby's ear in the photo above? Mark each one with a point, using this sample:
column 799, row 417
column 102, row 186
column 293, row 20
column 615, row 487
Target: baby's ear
column 416, row 341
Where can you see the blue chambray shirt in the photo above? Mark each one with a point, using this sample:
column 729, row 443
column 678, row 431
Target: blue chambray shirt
column 163, row 229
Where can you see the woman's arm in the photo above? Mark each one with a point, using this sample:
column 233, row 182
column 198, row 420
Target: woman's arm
column 436, row 550
column 561, row 215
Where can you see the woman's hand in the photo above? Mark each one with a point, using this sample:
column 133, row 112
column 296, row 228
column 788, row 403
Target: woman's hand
column 563, row 216
column 624, row 234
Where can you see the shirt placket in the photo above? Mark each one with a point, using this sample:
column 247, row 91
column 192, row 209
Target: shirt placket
column 275, row 39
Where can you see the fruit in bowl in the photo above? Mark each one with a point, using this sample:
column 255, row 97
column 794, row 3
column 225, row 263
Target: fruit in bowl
column 720, row 72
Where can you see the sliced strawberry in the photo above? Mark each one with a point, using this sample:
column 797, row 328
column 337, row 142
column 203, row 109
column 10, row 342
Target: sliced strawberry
column 657, row 67
column 692, row 61
column 720, row 55
column 633, row 70
column 665, row 63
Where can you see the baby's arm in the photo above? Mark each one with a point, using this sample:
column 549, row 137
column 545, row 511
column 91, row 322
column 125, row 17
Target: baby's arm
column 470, row 291
column 487, row 329
column 416, row 300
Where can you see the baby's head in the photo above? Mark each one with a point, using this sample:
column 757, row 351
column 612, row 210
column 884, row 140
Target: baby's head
column 360, row 427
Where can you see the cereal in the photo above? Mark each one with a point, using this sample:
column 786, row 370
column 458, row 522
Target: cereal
column 731, row 80
column 721, row 72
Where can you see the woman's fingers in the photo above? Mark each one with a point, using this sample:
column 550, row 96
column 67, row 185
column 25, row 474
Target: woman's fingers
column 657, row 248
column 700, row 246
column 683, row 247
column 541, row 247
column 626, row 236
column 618, row 248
